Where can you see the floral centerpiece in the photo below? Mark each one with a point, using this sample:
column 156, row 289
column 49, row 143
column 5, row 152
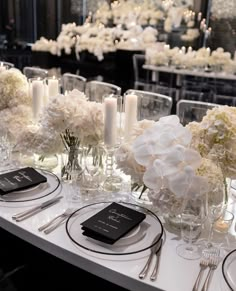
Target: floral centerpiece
column 15, row 111
column 67, row 122
column 215, row 139
column 159, row 158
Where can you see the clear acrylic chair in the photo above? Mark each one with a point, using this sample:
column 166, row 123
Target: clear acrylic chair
column 95, row 90
column 151, row 105
column 141, row 76
column 72, row 81
column 189, row 110
column 191, row 95
column 9, row 65
column 34, row 72
column 164, row 90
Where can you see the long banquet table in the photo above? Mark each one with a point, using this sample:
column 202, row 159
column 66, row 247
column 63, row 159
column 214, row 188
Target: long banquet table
column 175, row 273
column 196, row 73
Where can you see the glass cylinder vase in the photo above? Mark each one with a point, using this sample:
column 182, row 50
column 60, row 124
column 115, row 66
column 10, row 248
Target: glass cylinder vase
column 71, row 161
column 93, row 164
column 46, row 162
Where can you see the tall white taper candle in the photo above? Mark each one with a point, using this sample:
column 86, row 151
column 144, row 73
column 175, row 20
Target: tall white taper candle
column 37, row 97
column 131, row 107
column 110, row 124
column 53, row 87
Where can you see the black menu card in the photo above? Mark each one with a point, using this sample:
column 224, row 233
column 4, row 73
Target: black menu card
column 112, row 223
column 20, row 179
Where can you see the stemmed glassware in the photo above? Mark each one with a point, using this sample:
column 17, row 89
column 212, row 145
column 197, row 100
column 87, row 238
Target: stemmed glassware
column 192, row 219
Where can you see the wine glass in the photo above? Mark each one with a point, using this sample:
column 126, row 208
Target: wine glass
column 192, row 219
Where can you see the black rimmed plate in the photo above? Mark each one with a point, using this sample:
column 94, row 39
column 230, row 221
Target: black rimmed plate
column 229, row 270
column 138, row 240
column 36, row 192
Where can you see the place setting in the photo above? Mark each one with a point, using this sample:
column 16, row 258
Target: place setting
column 26, row 186
column 91, row 228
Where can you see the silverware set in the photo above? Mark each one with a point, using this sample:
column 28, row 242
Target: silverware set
column 56, row 221
column 52, row 224
column 28, row 213
column 210, row 261
column 155, row 252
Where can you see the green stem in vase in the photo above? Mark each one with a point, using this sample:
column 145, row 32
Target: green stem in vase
column 136, row 187
column 227, row 187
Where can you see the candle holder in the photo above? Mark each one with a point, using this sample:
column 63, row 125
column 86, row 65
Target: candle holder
column 223, row 224
column 112, row 182
column 112, row 139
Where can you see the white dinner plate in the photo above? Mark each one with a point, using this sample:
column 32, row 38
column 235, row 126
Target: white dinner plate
column 35, row 192
column 139, row 239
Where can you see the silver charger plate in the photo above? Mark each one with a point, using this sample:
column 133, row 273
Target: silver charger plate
column 36, row 192
column 137, row 240
column 229, row 270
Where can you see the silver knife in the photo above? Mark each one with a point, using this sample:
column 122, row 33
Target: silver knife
column 154, row 249
column 158, row 255
column 28, row 213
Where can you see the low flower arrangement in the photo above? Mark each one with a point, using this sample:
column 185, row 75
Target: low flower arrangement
column 179, row 162
column 66, row 121
column 15, row 110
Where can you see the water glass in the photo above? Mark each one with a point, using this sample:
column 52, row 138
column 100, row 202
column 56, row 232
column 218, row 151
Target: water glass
column 192, row 219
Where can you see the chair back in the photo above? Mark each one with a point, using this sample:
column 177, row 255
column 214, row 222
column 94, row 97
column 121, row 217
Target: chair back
column 95, row 90
column 140, row 74
column 9, row 65
column 72, row 81
column 151, row 105
column 224, row 100
column 189, row 110
column 34, row 72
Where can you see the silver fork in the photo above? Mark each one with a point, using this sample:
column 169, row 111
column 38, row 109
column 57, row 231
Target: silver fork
column 56, row 221
column 213, row 263
column 203, row 265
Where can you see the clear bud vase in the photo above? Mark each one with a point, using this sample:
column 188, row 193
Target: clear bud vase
column 71, row 163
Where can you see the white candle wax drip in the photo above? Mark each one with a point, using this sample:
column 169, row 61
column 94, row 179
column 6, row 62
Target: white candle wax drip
column 53, row 87
column 37, row 97
column 110, row 117
column 131, row 106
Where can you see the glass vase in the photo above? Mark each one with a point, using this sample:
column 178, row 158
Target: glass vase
column 93, row 164
column 71, row 161
column 169, row 206
column 46, row 162
column 139, row 194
